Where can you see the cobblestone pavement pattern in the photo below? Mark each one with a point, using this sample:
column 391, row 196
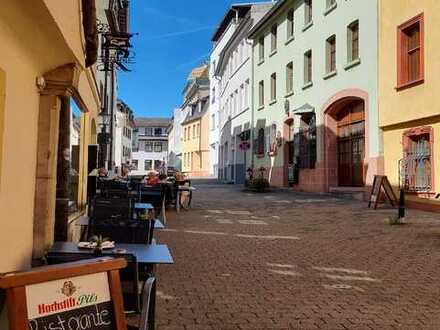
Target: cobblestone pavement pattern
column 287, row 260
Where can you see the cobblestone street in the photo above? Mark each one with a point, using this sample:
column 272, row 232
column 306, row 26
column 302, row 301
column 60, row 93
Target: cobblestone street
column 296, row 261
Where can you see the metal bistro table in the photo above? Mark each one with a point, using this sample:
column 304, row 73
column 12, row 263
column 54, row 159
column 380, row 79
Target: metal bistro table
column 84, row 223
column 146, row 254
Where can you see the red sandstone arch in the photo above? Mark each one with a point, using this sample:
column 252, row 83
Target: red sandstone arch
column 329, row 150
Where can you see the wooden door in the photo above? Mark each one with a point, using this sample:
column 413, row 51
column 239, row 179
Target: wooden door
column 351, row 145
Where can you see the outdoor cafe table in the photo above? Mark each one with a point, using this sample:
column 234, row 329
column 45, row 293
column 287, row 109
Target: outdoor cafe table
column 84, row 222
column 143, row 206
column 151, row 254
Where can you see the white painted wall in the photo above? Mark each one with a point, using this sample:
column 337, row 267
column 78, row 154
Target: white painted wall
column 362, row 76
column 214, row 108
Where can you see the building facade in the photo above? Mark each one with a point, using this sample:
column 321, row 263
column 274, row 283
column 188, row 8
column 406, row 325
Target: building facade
column 47, row 73
column 123, row 138
column 233, row 73
column 174, row 139
column 409, row 112
column 315, row 95
column 113, row 27
column 150, row 150
column 195, row 126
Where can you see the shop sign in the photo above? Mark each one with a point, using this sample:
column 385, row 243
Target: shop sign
column 77, row 303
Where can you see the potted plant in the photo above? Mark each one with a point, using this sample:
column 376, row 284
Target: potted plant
column 98, row 241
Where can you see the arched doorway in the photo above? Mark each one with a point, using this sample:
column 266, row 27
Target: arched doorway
column 345, row 152
column 351, row 144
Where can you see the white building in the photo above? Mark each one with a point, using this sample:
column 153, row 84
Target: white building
column 221, row 36
column 175, row 138
column 150, row 145
column 315, row 94
column 231, row 75
column 123, row 138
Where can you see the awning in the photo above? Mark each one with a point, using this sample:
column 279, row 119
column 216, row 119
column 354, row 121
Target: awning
column 306, row 108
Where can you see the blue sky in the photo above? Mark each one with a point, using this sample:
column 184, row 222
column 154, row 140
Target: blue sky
column 174, row 36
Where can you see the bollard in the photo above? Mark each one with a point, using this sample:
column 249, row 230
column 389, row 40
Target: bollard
column 402, row 204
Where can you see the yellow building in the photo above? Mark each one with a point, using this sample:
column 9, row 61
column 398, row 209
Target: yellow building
column 47, row 80
column 409, row 111
column 195, row 127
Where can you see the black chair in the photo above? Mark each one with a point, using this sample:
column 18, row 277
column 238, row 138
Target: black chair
column 155, row 195
column 106, row 208
column 123, row 230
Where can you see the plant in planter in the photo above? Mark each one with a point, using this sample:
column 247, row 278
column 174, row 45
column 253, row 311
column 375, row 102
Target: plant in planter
column 99, row 241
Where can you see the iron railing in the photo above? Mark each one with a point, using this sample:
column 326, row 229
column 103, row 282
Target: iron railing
column 415, row 173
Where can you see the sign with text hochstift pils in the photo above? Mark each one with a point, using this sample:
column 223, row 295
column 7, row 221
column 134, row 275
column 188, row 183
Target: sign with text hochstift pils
column 83, row 295
column 69, row 304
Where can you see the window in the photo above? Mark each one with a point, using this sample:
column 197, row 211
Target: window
column 158, row 131
column 148, row 146
column 290, row 24
column 75, row 158
column 416, row 166
column 194, row 131
column 236, row 104
column 213, row 122
column 308, row 12
column 148, row 165
column 158, row 147
column 241, row 98
column 246, row 94
column 134, row 163
column 198, row 130
column 331, row 54
column 289, row 78
column 305, row 141
column 261, row 49
column 410, row 52
column 353, row 41
column 213, row 95
column 273, row 87
column 148, row 131
column 184, row 134
column 261, row 93
column 260, row 142
column 308, row 67
column 273, row 38
column 158, row 165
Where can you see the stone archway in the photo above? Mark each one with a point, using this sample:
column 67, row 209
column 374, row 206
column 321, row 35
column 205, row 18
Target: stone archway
column 346, row 140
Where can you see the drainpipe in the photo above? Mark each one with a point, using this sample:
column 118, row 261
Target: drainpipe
column 252, row 106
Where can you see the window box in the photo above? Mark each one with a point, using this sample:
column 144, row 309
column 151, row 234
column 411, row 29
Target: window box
column 352, row 64
column 330, row 75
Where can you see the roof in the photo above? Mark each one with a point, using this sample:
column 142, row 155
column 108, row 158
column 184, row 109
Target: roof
column 197, row 114
column 152, row 122
column 199, row 72
column 273, row 11
column 236, row 9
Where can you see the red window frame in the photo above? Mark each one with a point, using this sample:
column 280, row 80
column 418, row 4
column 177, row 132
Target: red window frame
column 403, row 53
column 415, row 132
